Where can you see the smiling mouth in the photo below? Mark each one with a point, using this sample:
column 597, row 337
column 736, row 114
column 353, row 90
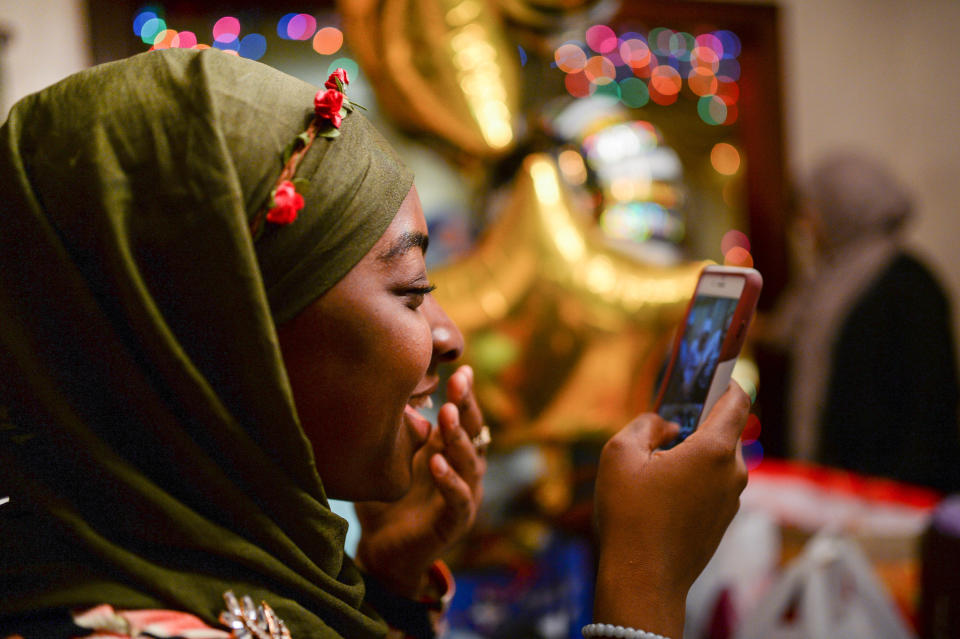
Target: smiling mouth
column 424, row 401
column 417, row 422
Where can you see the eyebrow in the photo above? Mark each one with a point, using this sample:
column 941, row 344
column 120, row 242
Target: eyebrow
column 406, row 241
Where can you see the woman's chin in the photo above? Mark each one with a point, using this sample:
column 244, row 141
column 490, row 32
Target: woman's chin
column 396, row 491
column 390, row 489
column 389, row 482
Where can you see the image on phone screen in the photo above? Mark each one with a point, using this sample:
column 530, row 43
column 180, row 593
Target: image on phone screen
column 699, row 350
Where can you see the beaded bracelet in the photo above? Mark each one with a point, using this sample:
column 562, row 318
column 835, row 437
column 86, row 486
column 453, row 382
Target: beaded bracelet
column 619, row 632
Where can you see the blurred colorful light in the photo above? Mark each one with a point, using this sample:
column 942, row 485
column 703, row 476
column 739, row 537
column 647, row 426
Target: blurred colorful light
column 680, row 44
column 601, row 38
column 282, row 25
column 610, row 89
column 732, row 239
column 614, row 57
column 710, row 41
column 151, row 28
column 231, row 46
column 296, row 26
column 600, row 70
column 738, row 256
column 753, row 455
column 226, row 30
column 659, row 40
column 662, row 99
column 729, row 67
column 712, row 110
column 141, row 19
column 578, row 85
column 347, row 64
column 570, row 58
column 302, row 27
column 731, row 113
column 634, row 92
column 662, row 63
column 728, row 89
column 253, row 46
column 572, row 166
column 635, row 53
column 731, row 43
column 639, row 221
column 188, row 39
column 705, row 58
column 166, row 39
column 665, row 80
column 735, row 247
column 751, row 432
column 702, row 82
column 328, row 40
column 725, row 158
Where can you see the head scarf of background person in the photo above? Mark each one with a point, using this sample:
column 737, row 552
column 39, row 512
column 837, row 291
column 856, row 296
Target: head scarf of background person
column 177, row 399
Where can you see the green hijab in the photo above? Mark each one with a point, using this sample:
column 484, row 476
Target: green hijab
column 149, row 443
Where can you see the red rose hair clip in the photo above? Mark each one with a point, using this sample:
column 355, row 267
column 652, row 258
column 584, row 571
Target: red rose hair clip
column 330, row 106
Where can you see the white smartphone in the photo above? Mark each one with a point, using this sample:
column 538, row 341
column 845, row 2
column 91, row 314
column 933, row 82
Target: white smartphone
column 707, row 345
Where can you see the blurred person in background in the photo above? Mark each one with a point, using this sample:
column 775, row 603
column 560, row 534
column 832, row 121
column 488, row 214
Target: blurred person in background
column 873, row 379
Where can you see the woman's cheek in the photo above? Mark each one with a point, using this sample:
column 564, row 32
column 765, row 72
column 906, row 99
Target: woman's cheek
column 423, row 345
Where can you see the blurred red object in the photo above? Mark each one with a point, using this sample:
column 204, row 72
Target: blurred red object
column 887, row 518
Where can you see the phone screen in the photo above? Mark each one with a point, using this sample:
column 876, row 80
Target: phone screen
column 689, row 383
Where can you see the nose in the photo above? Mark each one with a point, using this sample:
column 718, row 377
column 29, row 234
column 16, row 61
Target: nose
column 447, row 339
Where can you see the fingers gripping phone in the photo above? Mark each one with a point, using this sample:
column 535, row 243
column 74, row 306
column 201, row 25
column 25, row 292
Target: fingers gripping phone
column 707, row 345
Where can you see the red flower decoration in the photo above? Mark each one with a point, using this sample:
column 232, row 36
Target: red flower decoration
column 327, row 104
column 339, row 74
column 286, row 204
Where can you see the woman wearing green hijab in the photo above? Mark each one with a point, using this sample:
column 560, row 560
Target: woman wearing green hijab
column 210, row 322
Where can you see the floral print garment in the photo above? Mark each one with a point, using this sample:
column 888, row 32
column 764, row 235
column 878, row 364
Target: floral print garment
column 108, row 623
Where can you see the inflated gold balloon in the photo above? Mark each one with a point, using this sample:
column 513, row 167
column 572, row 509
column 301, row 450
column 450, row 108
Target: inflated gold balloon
column 566, row 334
column 442, row 67
column 550, row 17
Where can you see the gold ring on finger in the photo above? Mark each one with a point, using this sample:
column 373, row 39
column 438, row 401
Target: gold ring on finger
column 482, row 439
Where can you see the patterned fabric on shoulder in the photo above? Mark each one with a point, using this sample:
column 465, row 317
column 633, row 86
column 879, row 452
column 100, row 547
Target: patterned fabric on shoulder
column 108, row 623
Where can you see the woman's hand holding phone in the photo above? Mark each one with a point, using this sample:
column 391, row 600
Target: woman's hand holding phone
column 661, row 513
column 709, row 339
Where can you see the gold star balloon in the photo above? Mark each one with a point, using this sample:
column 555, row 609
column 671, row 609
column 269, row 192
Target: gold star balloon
column 441, row 67
column 566, row 333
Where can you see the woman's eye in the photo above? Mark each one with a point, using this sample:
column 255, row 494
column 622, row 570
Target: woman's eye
column 416, row 294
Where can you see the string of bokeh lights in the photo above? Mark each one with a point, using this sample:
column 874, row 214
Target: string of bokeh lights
column 151, row 27
column 638, row 69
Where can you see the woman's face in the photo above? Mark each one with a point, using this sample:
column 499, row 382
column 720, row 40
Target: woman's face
column 363, row 357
